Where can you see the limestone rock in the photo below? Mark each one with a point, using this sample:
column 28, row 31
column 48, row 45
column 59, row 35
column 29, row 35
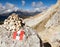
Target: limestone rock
column 46, row 25
column 11, row 24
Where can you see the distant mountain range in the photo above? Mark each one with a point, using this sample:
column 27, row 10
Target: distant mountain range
column 22, row 14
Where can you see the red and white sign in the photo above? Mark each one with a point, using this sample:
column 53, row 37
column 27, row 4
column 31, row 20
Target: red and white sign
column 18, row 35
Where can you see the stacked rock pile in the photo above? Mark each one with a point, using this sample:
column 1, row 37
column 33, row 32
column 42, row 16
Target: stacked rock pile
column 12, row 22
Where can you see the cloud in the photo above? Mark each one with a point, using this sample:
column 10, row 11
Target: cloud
column 23, row 2
column 0, row 5
column 33, row 4
column 39, row 6
column 2, row 8
column 8, row 7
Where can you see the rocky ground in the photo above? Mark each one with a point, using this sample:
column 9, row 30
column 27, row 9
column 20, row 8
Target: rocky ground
column 13, row 23
column 48, row 25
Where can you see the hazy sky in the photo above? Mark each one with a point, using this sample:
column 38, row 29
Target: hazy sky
column 28, row 4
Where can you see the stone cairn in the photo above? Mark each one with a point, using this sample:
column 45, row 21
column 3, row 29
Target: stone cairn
column 13, row 23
